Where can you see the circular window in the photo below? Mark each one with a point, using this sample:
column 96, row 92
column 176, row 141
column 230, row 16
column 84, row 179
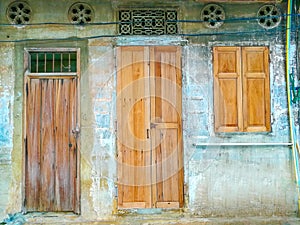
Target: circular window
column 213, row 15
column 18, row 12
column 81, row 13
column 269, row 16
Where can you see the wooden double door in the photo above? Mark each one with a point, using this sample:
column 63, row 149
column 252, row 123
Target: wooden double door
column 50, row 144
column 149, row 127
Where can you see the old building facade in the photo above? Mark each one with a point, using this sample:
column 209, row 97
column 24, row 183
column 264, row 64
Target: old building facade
column 113, row 107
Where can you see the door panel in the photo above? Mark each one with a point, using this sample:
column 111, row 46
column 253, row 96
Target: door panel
column 133, row 145
column 166, row 127
column 150, row 170
column 50, row 145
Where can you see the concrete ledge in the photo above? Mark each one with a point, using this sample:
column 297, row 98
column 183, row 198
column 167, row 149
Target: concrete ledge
column 160, row 219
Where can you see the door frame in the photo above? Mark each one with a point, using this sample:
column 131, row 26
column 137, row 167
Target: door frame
column 181, row 144
column 27, row 76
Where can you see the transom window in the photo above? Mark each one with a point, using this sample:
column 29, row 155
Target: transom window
column 53, row 61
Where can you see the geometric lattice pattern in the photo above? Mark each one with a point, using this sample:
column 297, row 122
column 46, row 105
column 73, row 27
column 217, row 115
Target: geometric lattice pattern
column 147, row 22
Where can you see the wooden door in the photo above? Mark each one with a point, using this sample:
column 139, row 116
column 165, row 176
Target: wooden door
column 51, row 182
column 134, row 153
column 165, row 124
column 150, row 170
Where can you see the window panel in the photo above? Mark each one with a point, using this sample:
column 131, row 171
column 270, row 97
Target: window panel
column 241, row 89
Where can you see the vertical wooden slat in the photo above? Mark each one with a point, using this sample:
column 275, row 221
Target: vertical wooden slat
column 179, row 128
column 33, row 111
column 58, row 147
column 73, row 143
column 63, row 153
column 127, row 175
column 120, row 152
column 169, row 141
column 47, row 175
column 61, row 168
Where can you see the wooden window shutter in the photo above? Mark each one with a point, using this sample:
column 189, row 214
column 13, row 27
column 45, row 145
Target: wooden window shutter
column 227, row 89
column 256, row 89
column 241, row 89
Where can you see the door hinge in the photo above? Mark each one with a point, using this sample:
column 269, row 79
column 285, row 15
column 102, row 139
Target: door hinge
column 26, row 89
column 116, row 126
column 116, row 191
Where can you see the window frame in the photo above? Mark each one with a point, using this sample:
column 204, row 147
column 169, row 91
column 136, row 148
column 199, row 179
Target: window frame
column 27, row 58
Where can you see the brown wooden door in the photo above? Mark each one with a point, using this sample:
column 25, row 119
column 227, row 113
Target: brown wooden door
column 150, row 169
column 51, row 160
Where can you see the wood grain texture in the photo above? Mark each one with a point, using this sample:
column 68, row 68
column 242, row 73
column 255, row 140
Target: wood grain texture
column 166, row 127
column 256, row 92
column 51, row 150
column 148, row 161
column 133, row 120
column 241, row 89
column 227, row 89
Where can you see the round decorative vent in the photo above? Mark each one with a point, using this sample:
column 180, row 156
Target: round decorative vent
column 81, row 13
column 213, row 15
column 269, row 16
column 18, row 12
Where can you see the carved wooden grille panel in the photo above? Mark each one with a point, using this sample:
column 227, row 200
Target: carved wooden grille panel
column 147, row 22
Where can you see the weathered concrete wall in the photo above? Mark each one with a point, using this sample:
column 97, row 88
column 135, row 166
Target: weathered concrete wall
column 7, row 78
column 235, row 180
column 98, row 137
column 219, row 181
